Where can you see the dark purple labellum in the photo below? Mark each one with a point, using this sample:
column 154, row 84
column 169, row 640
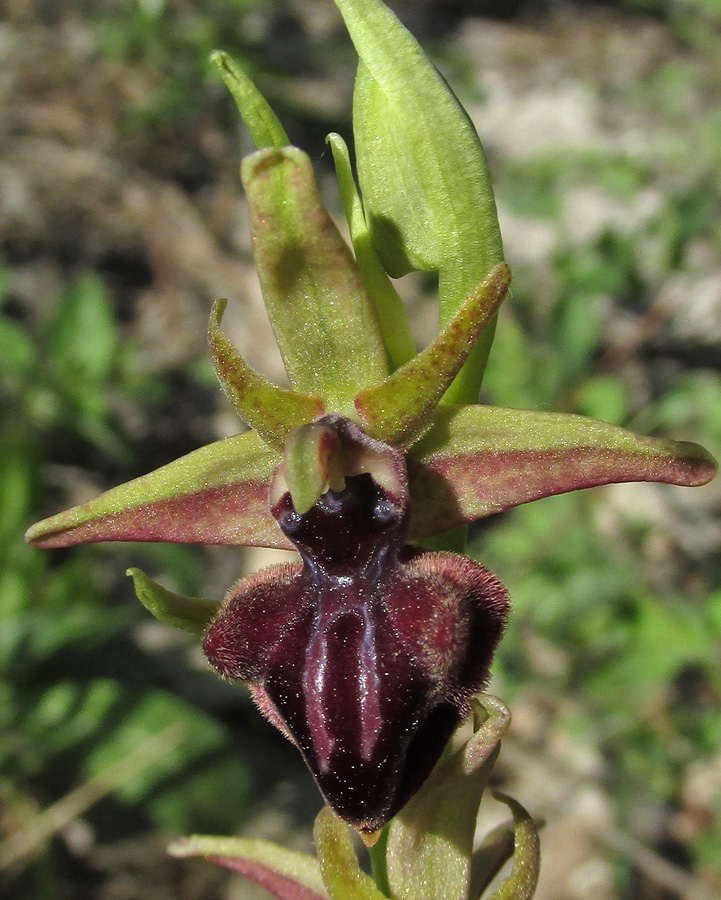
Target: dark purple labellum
column 368, row 653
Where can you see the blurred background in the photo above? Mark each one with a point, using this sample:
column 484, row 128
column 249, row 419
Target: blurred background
column 122, row 218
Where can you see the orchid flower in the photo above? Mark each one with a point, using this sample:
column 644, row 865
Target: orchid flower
column 367, row 652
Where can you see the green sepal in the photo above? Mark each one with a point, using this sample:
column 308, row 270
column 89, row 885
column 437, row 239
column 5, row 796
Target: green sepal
column 312, row 463
column 521, row 883
column 215, row 495
column 287, row 874
column 392, row 315
column 399, row 410
column 342, row 876
column 423, row 175
column 323, row 321
column 272, row 411
column 192, row 614
column 430, row 842
column 480, row 460
column 262, row 123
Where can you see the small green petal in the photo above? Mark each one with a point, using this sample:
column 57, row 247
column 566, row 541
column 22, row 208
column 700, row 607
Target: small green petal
column 270, row 410
column 287, row 874
column 392, row 315
column 215, row 495
column 430, row 842
column 399, row 410
column 479, row 460
column 323, row 321
column 521, row 883
column 342, row 876
column 263, row 124
column 192, row 614
column 312, row 465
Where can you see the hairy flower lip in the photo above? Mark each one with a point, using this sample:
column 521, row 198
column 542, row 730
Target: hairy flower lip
column 370, row 739
column 367, row 655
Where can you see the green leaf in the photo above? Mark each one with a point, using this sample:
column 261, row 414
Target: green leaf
column 325, row 325
column 521, row 883
column 479, row 460
column 132, row 721
column 287, row 874
column 17, row 352
column 272, row 411
column 215, row 495
column 82, row 332
column 399, row 410
column 488, row 859
column 603, row 397
column 192, row 614
column 430, row 842
column 422, row 171
column 377, row 853
column 16, row 491
column 342, row 876
column 263, row 124
column 392, row 315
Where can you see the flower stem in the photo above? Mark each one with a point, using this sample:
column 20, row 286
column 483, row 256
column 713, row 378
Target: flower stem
column 379, row 869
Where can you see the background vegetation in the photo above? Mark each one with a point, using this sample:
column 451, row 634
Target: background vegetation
column 121, row 218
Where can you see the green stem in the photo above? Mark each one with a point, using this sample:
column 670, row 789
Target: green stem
column 392, row 315
column 379, row 870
